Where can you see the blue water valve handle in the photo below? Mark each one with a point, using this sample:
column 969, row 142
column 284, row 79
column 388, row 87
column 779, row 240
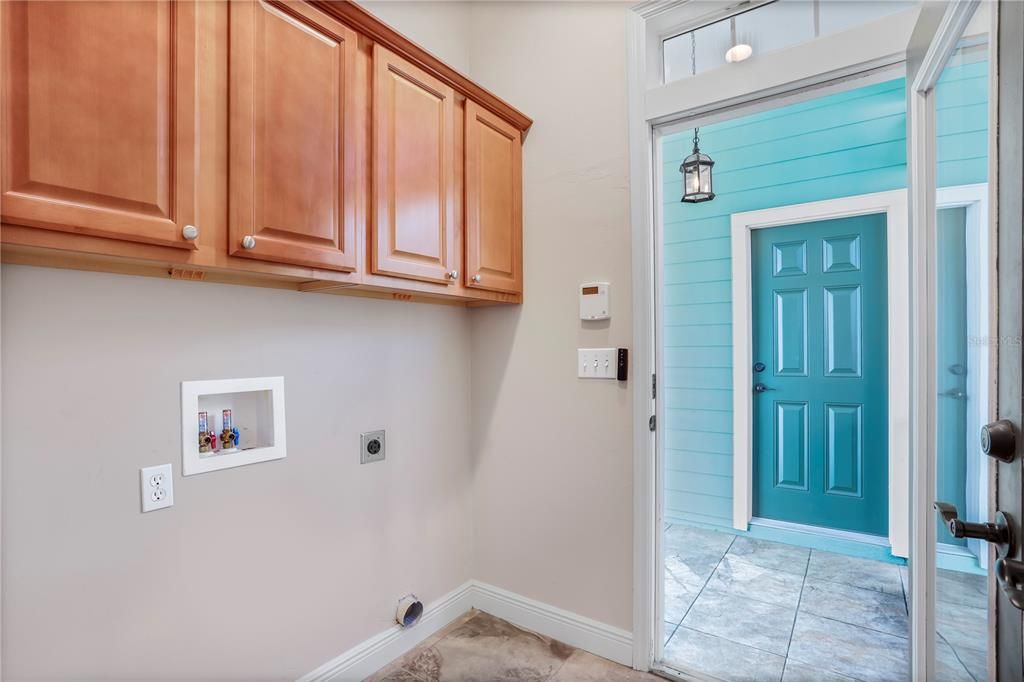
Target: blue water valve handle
column 234, row 432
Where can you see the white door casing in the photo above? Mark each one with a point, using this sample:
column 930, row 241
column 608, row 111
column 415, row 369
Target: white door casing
column 894, row 205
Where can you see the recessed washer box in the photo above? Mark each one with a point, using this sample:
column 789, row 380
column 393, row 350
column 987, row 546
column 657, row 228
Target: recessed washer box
column 257, row 412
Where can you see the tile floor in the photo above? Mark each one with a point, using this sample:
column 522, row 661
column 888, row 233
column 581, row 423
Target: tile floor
column 479, row 647
column 742, row 609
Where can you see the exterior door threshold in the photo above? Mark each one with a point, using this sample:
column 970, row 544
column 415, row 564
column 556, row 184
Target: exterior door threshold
column 864, row 545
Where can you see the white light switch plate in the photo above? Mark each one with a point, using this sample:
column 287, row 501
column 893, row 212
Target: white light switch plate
column 596, row 363
column 157, row 486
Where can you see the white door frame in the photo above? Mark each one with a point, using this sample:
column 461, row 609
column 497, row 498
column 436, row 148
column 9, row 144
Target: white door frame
column 981, row 275
column 894, row 205
column 921, row 162
column 651, row 103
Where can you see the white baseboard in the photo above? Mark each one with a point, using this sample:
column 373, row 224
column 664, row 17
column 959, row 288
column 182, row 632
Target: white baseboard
column 571, row 628
column 366, row 658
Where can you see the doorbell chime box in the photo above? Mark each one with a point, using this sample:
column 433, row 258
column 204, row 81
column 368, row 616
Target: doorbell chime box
column 594, row 301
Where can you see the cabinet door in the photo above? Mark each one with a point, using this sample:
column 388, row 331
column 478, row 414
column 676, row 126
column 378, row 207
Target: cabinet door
column 98, row 112
column 494, row 202
column 414, row 189
column 294, row 136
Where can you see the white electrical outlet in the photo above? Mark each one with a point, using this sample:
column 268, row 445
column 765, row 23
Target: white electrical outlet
column 157, row 487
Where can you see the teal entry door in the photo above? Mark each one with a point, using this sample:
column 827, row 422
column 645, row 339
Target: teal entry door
column 820, row 375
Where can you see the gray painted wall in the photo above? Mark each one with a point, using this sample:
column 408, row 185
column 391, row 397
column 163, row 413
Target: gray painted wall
column 258, row 572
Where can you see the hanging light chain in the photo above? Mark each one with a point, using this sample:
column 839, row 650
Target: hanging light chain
column 696, row 168
column 693, row 53
column 693, row 72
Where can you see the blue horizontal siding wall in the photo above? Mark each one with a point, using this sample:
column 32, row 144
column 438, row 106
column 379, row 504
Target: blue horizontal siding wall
column 844, row 144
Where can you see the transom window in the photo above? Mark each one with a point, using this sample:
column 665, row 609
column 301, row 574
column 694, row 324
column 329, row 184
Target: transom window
column 767, row 27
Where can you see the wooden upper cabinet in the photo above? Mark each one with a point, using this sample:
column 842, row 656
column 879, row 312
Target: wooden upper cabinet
column 415, row 232
column 295, row 136
column 494, row 202
column 98, row 118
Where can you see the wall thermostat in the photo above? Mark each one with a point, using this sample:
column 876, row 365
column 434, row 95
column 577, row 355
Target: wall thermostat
column 594, row 301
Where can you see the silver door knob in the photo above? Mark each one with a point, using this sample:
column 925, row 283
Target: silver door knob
column 190, row 232
column 476, row 279
column 453, row 274
column 248, row 242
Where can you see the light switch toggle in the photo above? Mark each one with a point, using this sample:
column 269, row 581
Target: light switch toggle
column 597, row 363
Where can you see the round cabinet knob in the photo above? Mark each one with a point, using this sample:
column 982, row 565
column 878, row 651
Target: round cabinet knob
column 999, row 440
column 190, row 232
column 453, row 275
column 476, row 279
column 248, row 242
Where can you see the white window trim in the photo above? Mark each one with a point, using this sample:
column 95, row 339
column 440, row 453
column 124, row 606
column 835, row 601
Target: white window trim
column 894, row 205
column 874, row 45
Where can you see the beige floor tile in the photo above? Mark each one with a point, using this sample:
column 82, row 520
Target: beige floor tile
column 585, row 667
column 488, row 648
column 393, row 672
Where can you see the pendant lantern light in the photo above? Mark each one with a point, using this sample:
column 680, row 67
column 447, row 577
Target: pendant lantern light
column 696, row 168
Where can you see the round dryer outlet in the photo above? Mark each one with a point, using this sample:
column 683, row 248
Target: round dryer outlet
column 371, row 447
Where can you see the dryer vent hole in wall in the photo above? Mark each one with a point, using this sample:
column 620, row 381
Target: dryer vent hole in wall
column 409, row 610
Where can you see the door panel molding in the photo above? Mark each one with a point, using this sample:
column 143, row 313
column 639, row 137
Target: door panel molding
column 894, row 205
column 295, row 216
column 415, row 231
column 494, row 189
column 132, row 175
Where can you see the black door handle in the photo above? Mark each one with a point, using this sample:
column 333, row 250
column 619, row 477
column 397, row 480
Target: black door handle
column 761, row 388
column 1010, row 574
column 998, row 533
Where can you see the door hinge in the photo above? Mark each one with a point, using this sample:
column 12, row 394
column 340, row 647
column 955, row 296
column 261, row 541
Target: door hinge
column 652, row 423
column 654, row 386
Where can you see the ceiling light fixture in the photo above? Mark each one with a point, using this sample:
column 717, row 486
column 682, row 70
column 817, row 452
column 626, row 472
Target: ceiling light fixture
column 739, row 51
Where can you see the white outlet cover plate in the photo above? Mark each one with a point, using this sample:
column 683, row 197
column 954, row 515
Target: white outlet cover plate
column 597, row 363
column 157, row 487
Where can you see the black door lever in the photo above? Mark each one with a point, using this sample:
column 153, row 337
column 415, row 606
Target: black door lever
column 997, row 533
column 1010, row 574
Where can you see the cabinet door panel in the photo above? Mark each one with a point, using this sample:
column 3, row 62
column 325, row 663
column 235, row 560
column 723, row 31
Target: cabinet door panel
column 493, row 202
column 99, row 118
column 294, row 184
column 414, row 189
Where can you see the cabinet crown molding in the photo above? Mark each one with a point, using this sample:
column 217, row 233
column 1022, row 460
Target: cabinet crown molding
column 370, row 26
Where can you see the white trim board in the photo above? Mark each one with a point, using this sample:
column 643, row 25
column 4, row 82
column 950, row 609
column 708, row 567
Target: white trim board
column 980, row 270
column 894, row 205
column 366, row 658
